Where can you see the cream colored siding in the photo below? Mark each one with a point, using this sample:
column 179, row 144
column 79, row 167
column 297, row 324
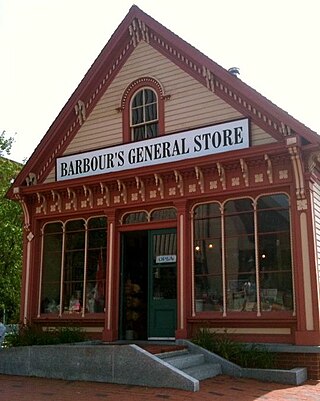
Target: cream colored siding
column 191, row 104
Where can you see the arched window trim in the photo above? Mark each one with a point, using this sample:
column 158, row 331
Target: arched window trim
column 131, row 90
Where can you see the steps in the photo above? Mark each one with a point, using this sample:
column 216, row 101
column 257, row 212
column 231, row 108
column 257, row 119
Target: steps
column 192, row 363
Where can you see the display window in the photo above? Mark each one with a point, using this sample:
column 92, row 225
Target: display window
column 242, row 255
column 74, row 267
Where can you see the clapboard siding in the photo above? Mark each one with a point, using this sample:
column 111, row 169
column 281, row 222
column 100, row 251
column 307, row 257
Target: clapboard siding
column 191, row 104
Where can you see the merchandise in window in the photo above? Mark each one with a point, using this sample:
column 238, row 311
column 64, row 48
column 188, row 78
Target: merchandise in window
column 73, row 267
column 257, row 267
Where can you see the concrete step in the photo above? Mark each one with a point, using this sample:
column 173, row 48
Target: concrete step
column 194, row 364
column 204, row 371
column 185, row 360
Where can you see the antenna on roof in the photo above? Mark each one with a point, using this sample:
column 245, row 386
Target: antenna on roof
column 235, row 71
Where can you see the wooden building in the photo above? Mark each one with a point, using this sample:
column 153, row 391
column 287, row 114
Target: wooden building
column 169, row 195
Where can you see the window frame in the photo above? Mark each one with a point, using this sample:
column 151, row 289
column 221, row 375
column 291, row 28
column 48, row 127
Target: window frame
column 126, row 101
column 87, row 230
column 258, row 310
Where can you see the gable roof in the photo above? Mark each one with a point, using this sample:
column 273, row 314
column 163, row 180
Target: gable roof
column 135, row 27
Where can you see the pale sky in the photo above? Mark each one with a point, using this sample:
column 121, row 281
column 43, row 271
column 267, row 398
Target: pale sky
column 47, row 46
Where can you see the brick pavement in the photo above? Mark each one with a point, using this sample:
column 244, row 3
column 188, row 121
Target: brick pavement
column 221, row 388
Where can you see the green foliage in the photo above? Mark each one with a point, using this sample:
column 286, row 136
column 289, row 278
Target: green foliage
column 10, row 237
column 34, row 335
column 247, row 356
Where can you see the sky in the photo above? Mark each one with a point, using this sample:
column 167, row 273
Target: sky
column 46, row 47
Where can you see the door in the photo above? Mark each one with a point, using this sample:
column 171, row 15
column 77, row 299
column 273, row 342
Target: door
column 162, row 299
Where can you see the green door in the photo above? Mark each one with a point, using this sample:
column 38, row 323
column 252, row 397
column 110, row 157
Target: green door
column 162, row 302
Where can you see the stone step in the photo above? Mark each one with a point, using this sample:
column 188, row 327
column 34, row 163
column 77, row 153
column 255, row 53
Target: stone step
column 185, row 360
column 194, row 364
column 204, row 371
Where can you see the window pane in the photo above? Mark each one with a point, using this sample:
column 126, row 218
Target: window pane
column 208, row 258
column 138, row 99
column 139, row 133
column 275, row 253
column 207, row 210
column 96, row 265
column 74, row 266
column 152, row 130
column 151, row 112
column 238, row 206
column 164, row 214
column 273, row 202
column 137, row 116
column 51, row 268
column 209, row 295
column 150, row 96
column 137, row 217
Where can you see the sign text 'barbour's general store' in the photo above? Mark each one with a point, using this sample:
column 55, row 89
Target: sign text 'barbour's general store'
column 200, row 142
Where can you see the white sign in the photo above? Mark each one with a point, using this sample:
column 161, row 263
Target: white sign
column 199, row 142
column 166, row 259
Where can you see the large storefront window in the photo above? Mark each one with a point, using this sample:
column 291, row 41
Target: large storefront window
column 242, row 249
column 73, row 266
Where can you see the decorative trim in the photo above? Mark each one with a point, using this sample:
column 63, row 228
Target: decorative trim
column 31, row 179
column 245, row 172
column 141, row 188
column 269, row 168
column 179, row 181
column 222, row 175
column 89, row 200
column 136, row 83
column 80, row 110
column 56, row 198
column 159, row 184
column 105, row 195
column 73, row 200
column 138, row 31
column 200, row 178
column 43, row 204
column 123, row 190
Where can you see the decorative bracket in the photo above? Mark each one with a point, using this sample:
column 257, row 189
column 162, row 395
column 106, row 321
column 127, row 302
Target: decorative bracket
column 56, row 201
column 222, row 175
column 105, row 195
column 141, row 188
column 179, row 181
column 31, row 179
column 314, row 161
column 138, row 30
column 80, row 110
column 245, row 172
column 123, row 190
column 269, row 168
column 207, row 74
column 200, row 178
column 73, row 199
column 43, row 204
column 298, row 173
column 88, row 193
column 159, row 184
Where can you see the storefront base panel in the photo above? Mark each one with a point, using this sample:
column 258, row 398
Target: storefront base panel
column 267, row 332
column 307, row 337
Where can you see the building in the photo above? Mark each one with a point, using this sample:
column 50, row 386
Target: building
column 168, row 195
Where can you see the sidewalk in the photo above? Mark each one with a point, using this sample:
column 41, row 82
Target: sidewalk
column 221, row 388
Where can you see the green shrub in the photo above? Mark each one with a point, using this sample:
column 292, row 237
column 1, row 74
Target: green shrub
column 34, row 335
column 247, row 356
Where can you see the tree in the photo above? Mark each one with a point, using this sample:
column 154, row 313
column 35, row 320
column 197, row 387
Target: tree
column 10, row 237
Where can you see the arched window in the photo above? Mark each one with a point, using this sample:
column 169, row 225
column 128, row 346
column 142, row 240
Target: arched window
column 142, row 105
column 144, row 115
